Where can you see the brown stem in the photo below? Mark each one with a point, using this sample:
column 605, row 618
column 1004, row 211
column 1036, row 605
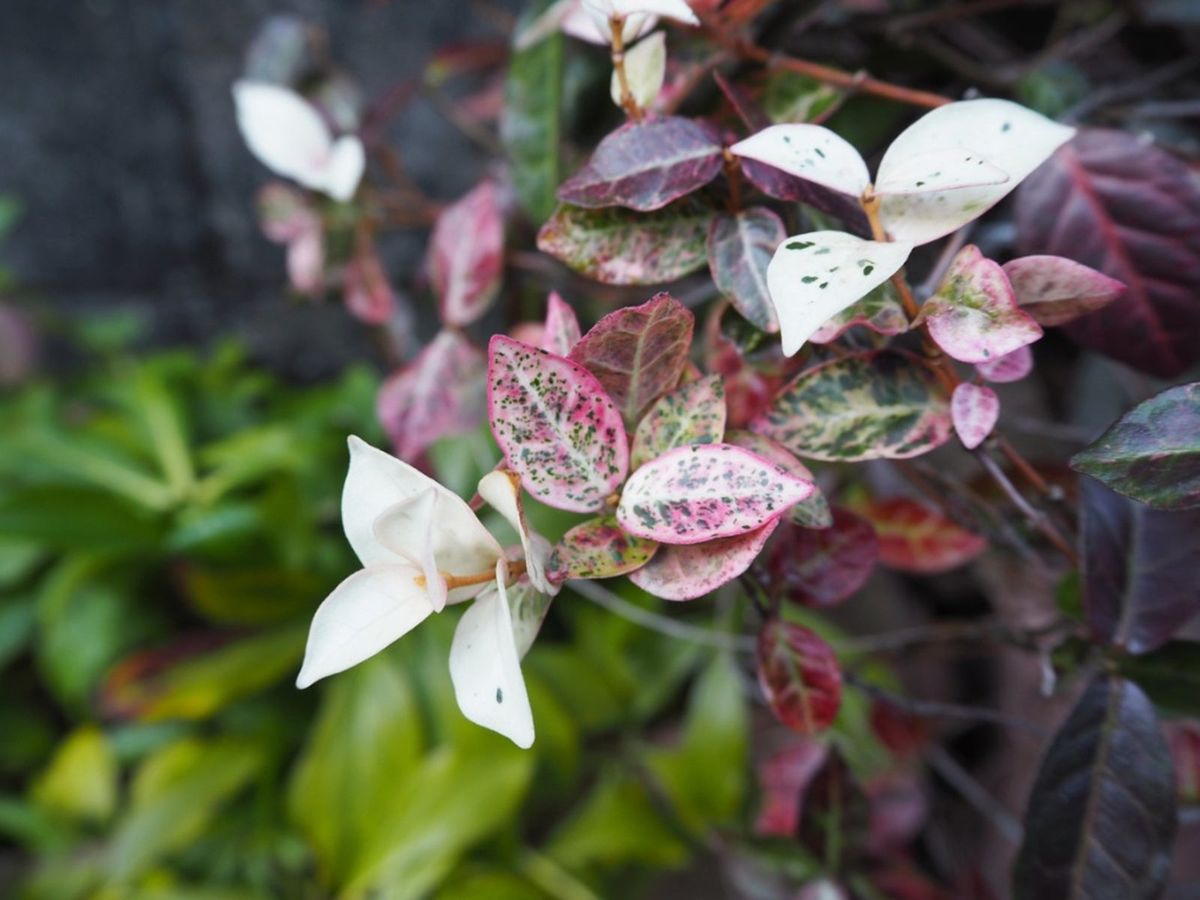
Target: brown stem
column 515, row 571
column 733, row 174
column 1035, row 517
column 1028, row 472
column 628, row 103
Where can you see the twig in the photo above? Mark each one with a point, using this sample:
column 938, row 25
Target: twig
column 936, row 709
column 1035, row 517
column 973, row 792
column 628, row 103
column 938, row 632
column 606, row 599
column 1137, row 87
column 898, row 24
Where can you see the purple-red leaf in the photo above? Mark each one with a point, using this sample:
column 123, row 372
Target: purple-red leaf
column 914, row 537
column 691, row 414
column 821, row 568
column 1113, row 201
column 699, row 493
column 440, row 393
column 466, row 255
column 1009, row 367
column 555, row 425
column 974, row 315
column 562, row 332
column 645, row 165
column 691, row 571
column 366, row 289
column 616, row 246
column 974, row 409
column 1055, row 290
column 1139, row 569
column 740, row 247
column 799, row 675
column 879, row 405
column 598, row 548
column 779, row 184
column 638, row 352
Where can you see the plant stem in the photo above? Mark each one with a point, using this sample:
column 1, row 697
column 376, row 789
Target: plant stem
column 973, row 792
column 628, row 103
column 515, row 571
column 1035, row 517
column 936, row 709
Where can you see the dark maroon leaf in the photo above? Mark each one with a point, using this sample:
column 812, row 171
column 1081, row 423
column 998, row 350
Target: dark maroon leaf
column 1140, row 568
column 1101, row 816
column 784, row 779
column 739, row 249
column 799, row 675
column 779, row 184
column 1152, row 453
column 638, row 353
column 645, row 165
column 1115, row 202
column 822, row 567
column 836, row 812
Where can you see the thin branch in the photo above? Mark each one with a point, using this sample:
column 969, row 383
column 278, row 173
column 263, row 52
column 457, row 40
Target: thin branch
column 973, row 792
column 944, row 632
column 936, row 709
column 606, row 599
column 1035, row 517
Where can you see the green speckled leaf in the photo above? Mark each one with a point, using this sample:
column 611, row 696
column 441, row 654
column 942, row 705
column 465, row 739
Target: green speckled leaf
column 879, row 405
column 692, row 414
column 599, row 548
column 880, row 311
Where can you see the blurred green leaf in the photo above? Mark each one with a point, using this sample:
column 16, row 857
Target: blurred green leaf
column 366, row 741
column 1052, row 89
column 80, row 782
column 1170, row 676
column 16, row 627
column 75, row 518
column 791, row 97
column 174, row 797
column 17, row 559
column 252, row 595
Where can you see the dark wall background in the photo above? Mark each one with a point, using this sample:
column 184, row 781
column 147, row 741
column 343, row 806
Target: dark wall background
column 117, row 135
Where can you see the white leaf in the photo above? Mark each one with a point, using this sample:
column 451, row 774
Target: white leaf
column 412, row 524
column 365, row 613
column 810, row 152
column 547, row 22
column 376, row 482
column 582, row 23
column 288, row 136
column 486, row 669
column 1008, row 136
column 815, row 276
column 942, row 169
column 502, row 491
column 645, row 67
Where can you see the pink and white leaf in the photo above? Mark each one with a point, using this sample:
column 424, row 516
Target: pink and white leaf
column 1056, row 290
column 812, row 512
column 556, row 426
column 562, row 330
column 439, row 394
column 366, row 289
column 708, row 491
column 811, row 152
column 974, row 409
column 599, row 548
column 466, row 255
column 1007, row 368
column 691, row 414
column 693, row 570
column 974, row 315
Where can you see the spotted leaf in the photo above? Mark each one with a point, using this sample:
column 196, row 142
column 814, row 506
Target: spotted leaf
column 699, row 493
column 692, row 414
column 881, row 311
column 1010, row 367
column 638, row 352
column 799, row 675
column 879, row 405
column 915, row 537
column 1056, row 290
column 466, row 255
column 817, row 275
column 974, row 315
column 439, row 394
column 685, row 572
column 617, row 246
column 812, row 512
column 555, row 425
column 740, row 248
column 599, row 548
column 810, row 152
column 644, row 165
column 974, row 409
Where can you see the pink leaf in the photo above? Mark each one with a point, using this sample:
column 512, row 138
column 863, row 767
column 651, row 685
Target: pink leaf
column 974, row 315
column 740, row 248
column 466, row 255
column 556, row 426
column 693, row 570
column 638, row 352
column 440, row 393
column 810, row 513
column 367, row 292
column 914, row 537
column 691, row 414
column 1009, row 367
column 784, row 779
column 598, row 548
column 974, row 410
column 306, row 262
column 1055, row 290
column 799, row 675
column 645, row 165
column 698, row 493
column 285, row 213
column 562, row 327
column 1115, row 202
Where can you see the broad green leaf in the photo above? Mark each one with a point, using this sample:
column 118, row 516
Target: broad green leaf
column 175, row 795
column 638, row 353
column 556, row 426
column 618, row 246
column 75, row 518
column 17, row 619
column 1101, row 815
column 365, row 742
column 691, row 414
column 253, row 595
column 599, row 548
column 1152, row 453
column 706, row 491
column 881, row 405
column 791, row 97
column 532, row 118
column 80, row 781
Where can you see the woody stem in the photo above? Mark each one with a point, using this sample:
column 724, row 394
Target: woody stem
column 515, row 571
column 628, row 103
